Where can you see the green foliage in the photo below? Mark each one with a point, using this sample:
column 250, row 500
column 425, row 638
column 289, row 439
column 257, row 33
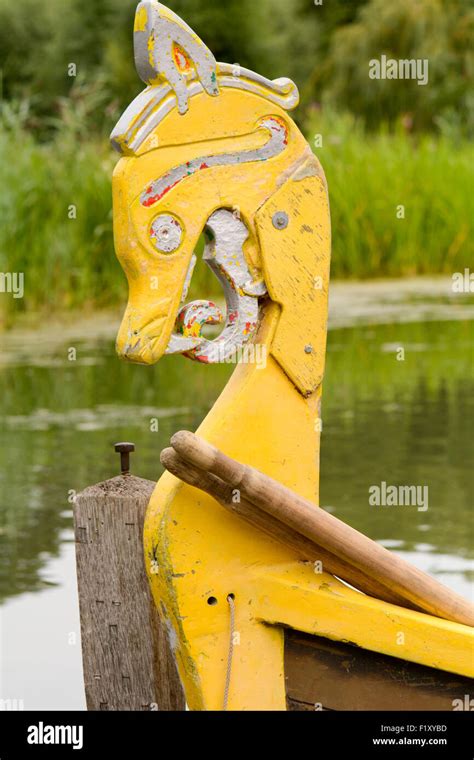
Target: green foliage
column 325, row 48
column 371, row 175
column 55, row 128
column 441, row 31
column 39, row 41
column 66, row 261
column 26, row 30
column 71, row 263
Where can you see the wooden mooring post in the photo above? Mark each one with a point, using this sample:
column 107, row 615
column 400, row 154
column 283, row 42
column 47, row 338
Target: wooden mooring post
column 127, row 660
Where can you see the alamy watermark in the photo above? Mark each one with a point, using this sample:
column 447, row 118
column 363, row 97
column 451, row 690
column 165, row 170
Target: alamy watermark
column 11, row 704
column 384, row 495
column 467, row 703
column 49, row 734
column 463, row 282
column 250, row 353
column 405, row 68
column 12, row 282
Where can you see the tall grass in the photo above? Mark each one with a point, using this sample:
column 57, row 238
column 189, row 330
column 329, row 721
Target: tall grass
column 69, row 262
column 56, row 221
column 400, row 204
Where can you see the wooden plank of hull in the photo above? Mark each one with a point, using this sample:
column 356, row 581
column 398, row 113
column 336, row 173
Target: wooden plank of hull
column 329, row 675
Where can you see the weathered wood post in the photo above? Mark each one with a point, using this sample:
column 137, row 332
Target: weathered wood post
column 127, row 660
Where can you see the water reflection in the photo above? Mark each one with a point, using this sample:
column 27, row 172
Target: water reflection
column 59, row 424
column 405, row 423
column 402, row 422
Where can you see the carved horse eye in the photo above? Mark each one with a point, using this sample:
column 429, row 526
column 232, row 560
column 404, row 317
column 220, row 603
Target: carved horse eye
column 166, row 233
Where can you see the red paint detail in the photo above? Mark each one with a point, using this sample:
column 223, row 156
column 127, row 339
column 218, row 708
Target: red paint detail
column 276, row 126
column 180, row 58
column 154, row 198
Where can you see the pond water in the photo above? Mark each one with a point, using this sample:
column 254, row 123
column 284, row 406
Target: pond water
column 403, row 422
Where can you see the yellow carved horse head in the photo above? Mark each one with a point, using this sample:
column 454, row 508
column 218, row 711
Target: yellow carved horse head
column 209, row 147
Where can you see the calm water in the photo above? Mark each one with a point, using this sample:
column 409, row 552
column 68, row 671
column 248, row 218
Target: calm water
column 402, row 422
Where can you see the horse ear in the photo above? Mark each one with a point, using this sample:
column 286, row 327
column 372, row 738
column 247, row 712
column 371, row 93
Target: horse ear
column 167, row 50
column 142, row 32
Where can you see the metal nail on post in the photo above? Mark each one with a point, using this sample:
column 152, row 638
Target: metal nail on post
column 124, row 449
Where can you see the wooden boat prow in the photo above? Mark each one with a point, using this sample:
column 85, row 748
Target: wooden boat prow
column 206, row 149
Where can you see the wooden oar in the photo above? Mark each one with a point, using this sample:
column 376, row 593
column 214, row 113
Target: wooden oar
column 306, row 550
column 413, row 585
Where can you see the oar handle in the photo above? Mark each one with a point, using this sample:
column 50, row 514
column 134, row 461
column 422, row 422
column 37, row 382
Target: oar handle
column 303, row 547
column 408, row 582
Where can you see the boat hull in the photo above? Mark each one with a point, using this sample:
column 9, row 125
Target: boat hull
column 321, row 674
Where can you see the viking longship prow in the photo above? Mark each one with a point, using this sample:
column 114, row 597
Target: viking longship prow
column 250, row 576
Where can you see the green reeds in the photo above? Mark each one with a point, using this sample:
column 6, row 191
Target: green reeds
column 56, row 218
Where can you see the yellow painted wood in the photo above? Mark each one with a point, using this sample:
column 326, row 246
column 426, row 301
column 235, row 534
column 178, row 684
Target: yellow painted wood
column 328, row 608
column 156, row 281
column 196, row 551
column 207, row 552
column 296, row 271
